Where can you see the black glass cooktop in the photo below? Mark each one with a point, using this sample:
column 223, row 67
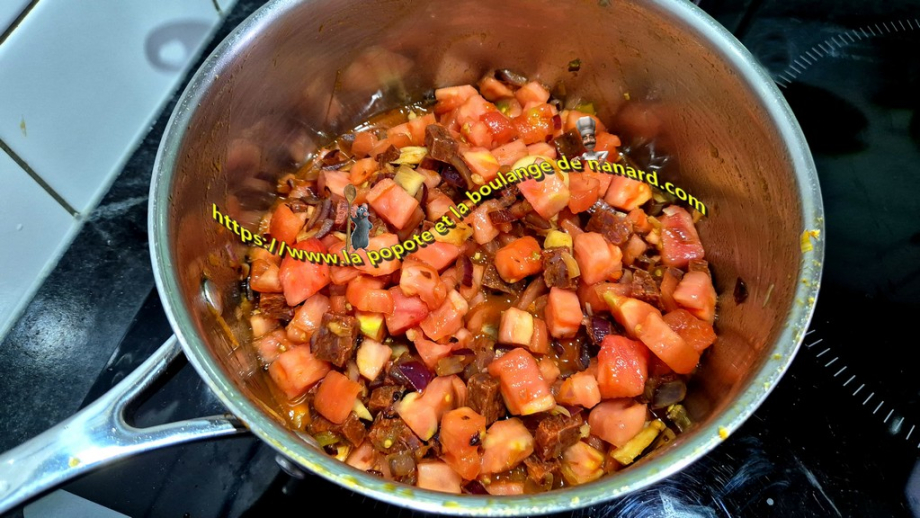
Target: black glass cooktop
column 839, row 436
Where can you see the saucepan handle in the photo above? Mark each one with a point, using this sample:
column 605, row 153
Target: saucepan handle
column 99, row 434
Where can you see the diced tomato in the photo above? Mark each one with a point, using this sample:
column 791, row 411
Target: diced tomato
column 667, row 344
column 477, row 134
column 580, row 389
column 617, row 421
column 422, row 412
column 481, row 162
column 302, row 279
column 500, row 127
column 532, row 92
column 438, row 476
column 563, row 313
column 483, row 228
column 542, row 149
column 593, row 294
column 597, row 259
column 669, row 282
column 361, row 170
column 407, row 312
column 547, row 196
column 438, row 205
column 640, row 221
column 517, row 327
column 534, row 124
column 340, row 275
column 362, row 458
column 431, row 352
column 519, row 259
column 493, row 89
column 367, row 294
column 510, row 152
column 698, row 334
column 399, row 128
column 335, row 181
column 262, row 325
column 378, row 243
column 606, row 142
column 505, row 487
column 285, row 224
column 392, row 203
column 371, row 357
column 622, row 367
column 296, row 370
column 584, row 191
column 363, row 144
column 446, row 319
column 439, row 255
column 263, row 277
column 335, row 397
column 472, row 110
column 626, row 193
column 696, row 294
column 549, row 370
column 629, row 312
column 338, row 304
column 581, row 463
column 507, row 443
column 634, row 248
column 461, row 432
column 523, row 388
column 539, row 341
column 272, row 345
column 418, row 126
column 307, row 318
column 679, row 241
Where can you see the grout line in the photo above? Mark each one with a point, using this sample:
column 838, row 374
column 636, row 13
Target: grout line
column 38, row 179
column 25, row 12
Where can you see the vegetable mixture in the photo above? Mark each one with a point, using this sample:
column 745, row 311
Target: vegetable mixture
column 544, row 341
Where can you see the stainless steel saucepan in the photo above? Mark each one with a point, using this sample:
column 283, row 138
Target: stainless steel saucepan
column 687, row 99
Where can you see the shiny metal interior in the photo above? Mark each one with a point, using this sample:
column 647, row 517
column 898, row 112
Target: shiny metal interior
column 685, row 97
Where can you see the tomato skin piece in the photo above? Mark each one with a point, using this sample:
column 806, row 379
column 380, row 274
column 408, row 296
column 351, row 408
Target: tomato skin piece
column 461, row 432
column 438, row 476
column 302, row 279
column 680, row 242
column 335, row 397
column 697, row 333
column 506, row 444
column 563, row 313
column 285, row 225
column 500, row 127
column 696, row 294
column 667, row 344
column 622, row 367
column 519, row 259
column 580, row 389
column 418, row 278
column 522, row 385
column 617, row 421
column 408, row 312
column 296, row 370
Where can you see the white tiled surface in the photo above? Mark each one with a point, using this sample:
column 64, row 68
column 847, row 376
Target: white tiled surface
column 81, row 82
column 9, row 10
column 34, row 231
